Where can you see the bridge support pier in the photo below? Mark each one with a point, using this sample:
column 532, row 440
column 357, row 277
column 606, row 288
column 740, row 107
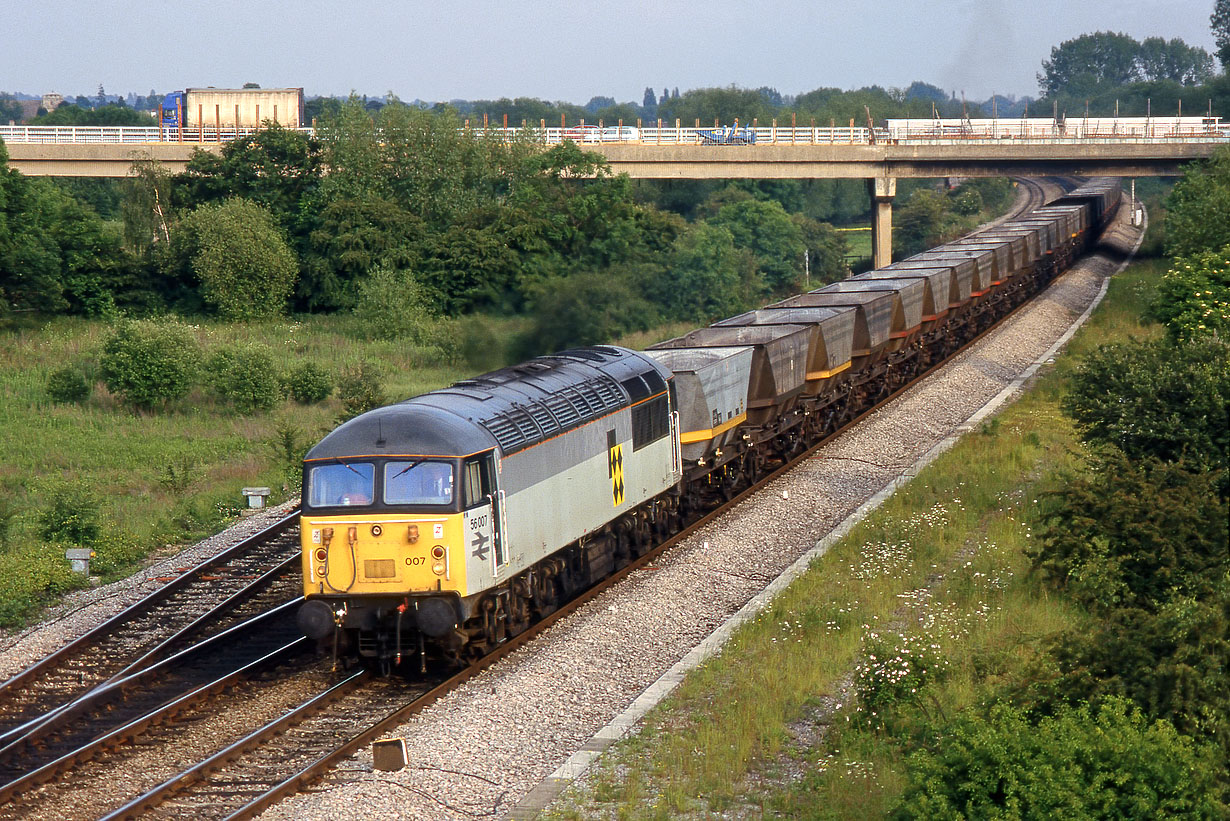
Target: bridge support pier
column 882, row 190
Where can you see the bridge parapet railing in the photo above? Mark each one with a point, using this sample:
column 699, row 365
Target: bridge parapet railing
column 1158, row 131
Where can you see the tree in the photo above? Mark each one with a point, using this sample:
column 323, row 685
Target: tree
column 1160, row 59
column 1156, row 399
column 1220, row 23
column 587, row 308
column 239, row 257
column 921, row 223
column 766, row 230
column 275, row 167
column 1198, row 208
column 68, row 114
column 1077, row 66
column 706, row 276
column 10, row 109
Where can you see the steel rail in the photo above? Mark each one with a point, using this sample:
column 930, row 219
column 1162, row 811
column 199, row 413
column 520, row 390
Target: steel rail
column 100, row 701
column 23, row 680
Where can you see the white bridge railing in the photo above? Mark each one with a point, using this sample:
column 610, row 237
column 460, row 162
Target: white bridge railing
column 1159, row 130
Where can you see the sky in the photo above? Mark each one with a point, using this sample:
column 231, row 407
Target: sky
column 565, row 50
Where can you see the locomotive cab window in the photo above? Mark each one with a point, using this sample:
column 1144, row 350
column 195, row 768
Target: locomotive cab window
column 342, row 484
column 418, row 482
column 477, row 480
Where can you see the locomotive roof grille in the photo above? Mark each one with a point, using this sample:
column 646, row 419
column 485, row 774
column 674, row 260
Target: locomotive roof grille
column 528, row 423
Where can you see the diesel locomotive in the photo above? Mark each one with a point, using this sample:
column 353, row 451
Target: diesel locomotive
column 441, row 525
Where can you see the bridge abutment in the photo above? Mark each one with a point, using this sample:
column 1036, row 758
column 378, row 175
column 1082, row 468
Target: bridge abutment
column 883, row 190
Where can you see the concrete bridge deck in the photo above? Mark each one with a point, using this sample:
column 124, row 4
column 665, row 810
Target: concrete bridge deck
column 1115, row 158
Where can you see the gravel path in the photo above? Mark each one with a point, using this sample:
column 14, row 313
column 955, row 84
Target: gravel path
column 482, row 748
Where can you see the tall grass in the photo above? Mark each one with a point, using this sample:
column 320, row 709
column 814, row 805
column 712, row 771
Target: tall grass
column 943, row 560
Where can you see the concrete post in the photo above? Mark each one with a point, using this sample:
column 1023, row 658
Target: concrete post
column 882, row 190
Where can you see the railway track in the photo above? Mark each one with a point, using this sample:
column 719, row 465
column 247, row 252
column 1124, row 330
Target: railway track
column 199, row 602
column 282, row 756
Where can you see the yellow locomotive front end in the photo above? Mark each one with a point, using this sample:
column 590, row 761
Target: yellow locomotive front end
column 383, row 550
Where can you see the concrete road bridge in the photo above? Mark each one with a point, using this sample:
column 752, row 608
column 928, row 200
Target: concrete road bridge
column 1132, row 147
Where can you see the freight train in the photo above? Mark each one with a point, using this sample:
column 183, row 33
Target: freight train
column 441, row 525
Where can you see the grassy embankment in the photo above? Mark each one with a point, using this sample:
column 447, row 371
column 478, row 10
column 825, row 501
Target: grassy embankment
column 938, row 573
column 163, row 478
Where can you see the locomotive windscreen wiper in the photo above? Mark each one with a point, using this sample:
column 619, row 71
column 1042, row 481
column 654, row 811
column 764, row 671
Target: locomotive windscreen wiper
column 406, row 469
column 338, row 459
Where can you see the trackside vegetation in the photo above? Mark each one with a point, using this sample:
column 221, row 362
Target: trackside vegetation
column 1037, row 626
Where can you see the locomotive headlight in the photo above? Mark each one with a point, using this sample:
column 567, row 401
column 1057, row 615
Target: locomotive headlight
column 438, row 568
column 320, row 571
column 377, row 530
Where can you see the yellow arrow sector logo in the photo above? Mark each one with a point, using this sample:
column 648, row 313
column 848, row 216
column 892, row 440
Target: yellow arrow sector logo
column 615, row 466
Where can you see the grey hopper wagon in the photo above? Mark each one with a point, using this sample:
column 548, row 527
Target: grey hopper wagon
column 834, row 329
column 909, row 295
column 982, row 276
column 1050, row 228
column 960, row 271
column 711, row 395
column 779, row 363
column 1021, row 255
column 1005, row 261
column 1033, row 235
column 936, row 285
column 1075, row 215
column 874, row 320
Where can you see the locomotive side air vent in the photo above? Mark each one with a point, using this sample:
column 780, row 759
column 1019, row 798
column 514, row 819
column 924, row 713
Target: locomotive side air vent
column 505, row 432
column 563, row 410
column 544, row 418
column 608, row 394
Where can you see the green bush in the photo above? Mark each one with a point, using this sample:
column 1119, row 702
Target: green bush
column 894, row 670
column 1156, row 399
column 1193, row 298
column 289, row 446
column 67, row 384
column 244, row 376
column 392, row 304
column 307, row 383
column 360, row 388
column 33, row 578
column 115, row 553
column 1108, row 762
column 147, row 363
column 73, row 514
column 1133, row 534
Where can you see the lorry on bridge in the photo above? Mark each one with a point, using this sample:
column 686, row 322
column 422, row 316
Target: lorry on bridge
column 228, row 109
